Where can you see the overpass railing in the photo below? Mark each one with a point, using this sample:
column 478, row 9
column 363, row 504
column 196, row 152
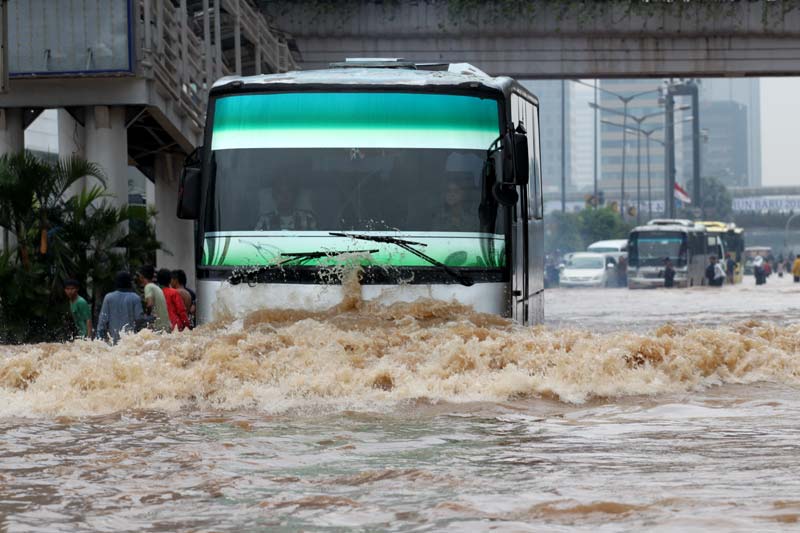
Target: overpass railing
column 184, row 61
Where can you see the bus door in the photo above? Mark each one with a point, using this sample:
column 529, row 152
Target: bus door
column 527, row 228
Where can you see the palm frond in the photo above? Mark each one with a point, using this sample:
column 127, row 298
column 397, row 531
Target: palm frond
column 71, row 169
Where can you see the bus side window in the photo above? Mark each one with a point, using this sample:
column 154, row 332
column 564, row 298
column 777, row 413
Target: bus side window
column 698, row 243
column 525, row 113
column 536, row 165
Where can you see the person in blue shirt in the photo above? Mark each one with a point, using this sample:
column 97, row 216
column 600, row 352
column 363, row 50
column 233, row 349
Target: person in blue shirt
column 121, row 309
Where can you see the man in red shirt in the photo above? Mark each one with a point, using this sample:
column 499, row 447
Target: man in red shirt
column 177, row 311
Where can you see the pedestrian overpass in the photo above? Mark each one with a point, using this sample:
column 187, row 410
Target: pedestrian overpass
column 554, row 38
column 130, row 80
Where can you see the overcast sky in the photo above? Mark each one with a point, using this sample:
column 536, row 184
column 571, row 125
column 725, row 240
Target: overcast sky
column 780, row 131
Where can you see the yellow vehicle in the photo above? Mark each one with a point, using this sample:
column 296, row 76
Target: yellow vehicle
column 732, row 238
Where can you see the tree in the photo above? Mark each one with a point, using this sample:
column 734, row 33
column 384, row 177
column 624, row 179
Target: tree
column 570, row 232
column 57, row 237
column 602, row 224
column 562, row 233
column 717, row 202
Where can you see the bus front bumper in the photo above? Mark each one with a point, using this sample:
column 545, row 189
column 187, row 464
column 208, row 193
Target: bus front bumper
column 216, row 299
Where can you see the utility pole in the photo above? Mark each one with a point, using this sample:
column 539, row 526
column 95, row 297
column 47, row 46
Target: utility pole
column 669, row 155
column 697, row 192
column 689, row 88
column 638, row 175
column 596, row 201
column 563, row 147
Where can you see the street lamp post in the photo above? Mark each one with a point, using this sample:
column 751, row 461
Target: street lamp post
column 625, row 101
column 648, row 135
column 638, row 128
column 786, row 232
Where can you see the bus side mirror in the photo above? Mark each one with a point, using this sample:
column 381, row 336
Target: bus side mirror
column 189, row 186
column 515, row 157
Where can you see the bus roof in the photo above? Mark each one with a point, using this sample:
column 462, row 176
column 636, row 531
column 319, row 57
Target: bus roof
column 457, row 75
column 716, row 226
column 682, row 228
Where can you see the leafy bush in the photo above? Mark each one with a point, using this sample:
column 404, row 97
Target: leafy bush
column 60, row 236
column 570, row 232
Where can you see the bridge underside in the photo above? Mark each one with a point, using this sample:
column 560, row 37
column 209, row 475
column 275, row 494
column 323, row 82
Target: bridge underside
column 573, row 56
column 549, row 39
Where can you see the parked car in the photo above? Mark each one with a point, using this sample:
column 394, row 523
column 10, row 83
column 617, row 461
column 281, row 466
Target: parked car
column 588, row 269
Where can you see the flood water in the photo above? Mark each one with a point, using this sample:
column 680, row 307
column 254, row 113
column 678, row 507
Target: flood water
column 630, row 410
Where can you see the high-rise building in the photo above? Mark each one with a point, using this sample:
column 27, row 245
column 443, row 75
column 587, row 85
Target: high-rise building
column 643, row 100
column 725, row 151
column 747, row 92
column 581, row 126
column 553, row 96
column 41, row 137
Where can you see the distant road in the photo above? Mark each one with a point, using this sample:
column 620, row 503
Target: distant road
column 616, row 309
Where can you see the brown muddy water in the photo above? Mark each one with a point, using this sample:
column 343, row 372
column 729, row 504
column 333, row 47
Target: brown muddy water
column 630, row 410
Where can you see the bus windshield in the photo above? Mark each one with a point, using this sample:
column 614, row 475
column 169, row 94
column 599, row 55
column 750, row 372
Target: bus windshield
column 653, row 248
column 289, row 168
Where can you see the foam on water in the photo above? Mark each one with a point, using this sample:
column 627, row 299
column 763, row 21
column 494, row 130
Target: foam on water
column 364, row 356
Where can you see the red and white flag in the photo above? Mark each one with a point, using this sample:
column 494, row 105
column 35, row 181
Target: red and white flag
column 682, row 195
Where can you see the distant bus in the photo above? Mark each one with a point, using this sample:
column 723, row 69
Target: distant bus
column 687, row 244
column 733, row 240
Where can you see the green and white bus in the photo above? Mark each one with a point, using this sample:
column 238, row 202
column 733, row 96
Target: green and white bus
column 428, row 178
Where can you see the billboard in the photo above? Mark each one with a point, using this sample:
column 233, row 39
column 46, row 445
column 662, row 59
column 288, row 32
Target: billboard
column 63, row 37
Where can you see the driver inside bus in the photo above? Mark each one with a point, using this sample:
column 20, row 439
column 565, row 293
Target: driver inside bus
column 454, row 215
column 287, row 214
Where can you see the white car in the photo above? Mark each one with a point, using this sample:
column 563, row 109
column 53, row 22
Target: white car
column 588, row 269
column 616, row 248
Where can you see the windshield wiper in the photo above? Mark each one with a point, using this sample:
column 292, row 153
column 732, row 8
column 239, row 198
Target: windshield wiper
column 250, row 275
column 302, row 257
column 409, row 246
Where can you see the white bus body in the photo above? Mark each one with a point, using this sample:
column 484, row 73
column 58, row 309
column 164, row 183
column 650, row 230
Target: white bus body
column 429, row 180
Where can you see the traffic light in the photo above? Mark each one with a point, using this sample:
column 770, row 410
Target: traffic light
column 601, row 198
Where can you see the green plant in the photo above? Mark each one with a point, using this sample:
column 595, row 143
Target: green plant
column 59, row 236
column 570, row 232
column 716, row 201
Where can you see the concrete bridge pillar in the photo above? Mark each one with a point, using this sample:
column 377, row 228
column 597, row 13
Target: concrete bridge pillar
column 107, row 146
column 71, row 142
column 12, row 140
column 177, row 236
column 12, row 132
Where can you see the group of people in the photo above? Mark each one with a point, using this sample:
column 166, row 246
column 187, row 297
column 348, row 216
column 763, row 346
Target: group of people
column 167, row 304
column 716, row 273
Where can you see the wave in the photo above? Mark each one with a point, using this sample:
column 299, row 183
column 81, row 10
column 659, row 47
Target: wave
column 368, row 357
